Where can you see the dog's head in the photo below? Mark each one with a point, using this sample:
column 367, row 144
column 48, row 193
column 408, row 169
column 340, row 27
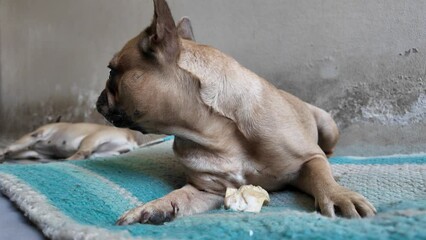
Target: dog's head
column 142, row 90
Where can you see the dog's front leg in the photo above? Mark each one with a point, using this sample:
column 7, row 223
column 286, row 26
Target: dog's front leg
column 315, row 178
column 184, row 201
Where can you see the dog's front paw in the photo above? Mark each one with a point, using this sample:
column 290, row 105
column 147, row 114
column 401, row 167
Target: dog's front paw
column 342, row 201
column 156, row 212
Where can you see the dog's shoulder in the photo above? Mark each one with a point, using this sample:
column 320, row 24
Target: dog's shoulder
column 226, row 86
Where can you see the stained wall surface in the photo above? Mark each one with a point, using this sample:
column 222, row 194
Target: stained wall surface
column 361, row 60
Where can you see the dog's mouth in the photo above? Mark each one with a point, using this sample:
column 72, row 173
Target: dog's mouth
column 116, row 115
column 120, row 119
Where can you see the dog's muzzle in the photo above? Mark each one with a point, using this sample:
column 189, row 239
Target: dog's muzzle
column 115, row 114
column 102, row 103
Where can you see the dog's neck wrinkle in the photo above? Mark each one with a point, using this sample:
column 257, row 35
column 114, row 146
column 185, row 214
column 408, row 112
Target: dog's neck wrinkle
column 211, row 134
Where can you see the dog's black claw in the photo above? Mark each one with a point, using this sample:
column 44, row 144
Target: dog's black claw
column 175, row 208
column 144, row 217
column 157, row 217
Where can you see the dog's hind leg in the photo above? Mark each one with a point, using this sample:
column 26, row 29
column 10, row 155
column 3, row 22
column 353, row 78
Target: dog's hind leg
column 104, row 154
column 113, row 149
column 87, row 146
column 184, row 201
column 23, row 143
column 328, row 133
column 82, row 153
column 29, row 154
column 98, row 143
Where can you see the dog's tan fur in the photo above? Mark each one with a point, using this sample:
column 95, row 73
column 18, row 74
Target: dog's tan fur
column 231, row 126
column 72, row 141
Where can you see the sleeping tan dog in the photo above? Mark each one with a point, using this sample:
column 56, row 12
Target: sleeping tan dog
column 231, row 126
column 72, row 141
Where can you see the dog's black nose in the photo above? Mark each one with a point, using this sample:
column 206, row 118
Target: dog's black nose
column 102, row 103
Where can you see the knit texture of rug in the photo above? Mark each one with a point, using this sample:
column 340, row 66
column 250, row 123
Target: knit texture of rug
column 83, row 199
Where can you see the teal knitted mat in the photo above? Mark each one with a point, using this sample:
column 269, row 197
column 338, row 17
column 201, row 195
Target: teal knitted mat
column 83, row 199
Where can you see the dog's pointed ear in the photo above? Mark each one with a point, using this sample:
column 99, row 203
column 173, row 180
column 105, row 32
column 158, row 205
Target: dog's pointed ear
column 161, row 38
column 184, row 28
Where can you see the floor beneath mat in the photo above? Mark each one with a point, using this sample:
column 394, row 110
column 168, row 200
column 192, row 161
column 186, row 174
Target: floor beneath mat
column 14, row 225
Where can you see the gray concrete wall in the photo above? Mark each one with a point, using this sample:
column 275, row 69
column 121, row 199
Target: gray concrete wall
column 362, row 60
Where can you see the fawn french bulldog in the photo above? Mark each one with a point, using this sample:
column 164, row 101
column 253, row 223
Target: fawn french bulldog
column 231, row 126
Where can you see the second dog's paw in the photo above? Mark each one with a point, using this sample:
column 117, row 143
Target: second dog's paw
column 156, row 212
column 342, row 201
